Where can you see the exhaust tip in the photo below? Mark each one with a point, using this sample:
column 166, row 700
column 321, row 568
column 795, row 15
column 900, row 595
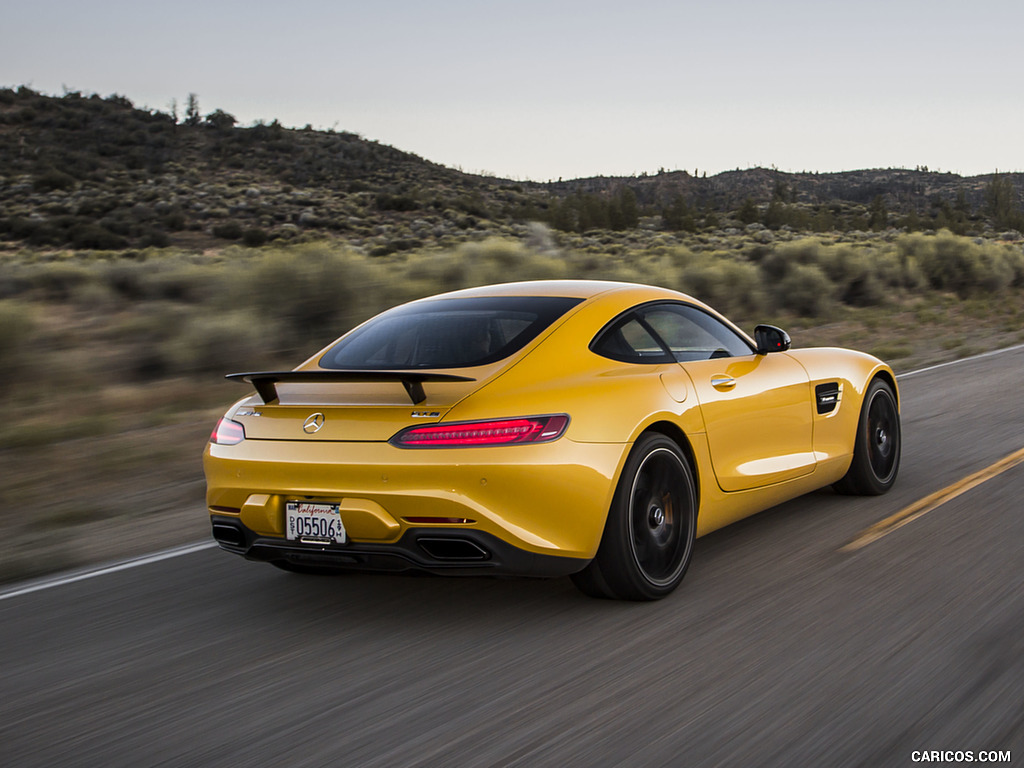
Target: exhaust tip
column 228, row 535
column 452, row 549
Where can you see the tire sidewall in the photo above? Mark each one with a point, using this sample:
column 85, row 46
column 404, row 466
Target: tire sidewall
column 617, row 554
column 870, row 481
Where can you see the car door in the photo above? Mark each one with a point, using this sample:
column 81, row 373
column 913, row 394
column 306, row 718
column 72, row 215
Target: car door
column 756, row 408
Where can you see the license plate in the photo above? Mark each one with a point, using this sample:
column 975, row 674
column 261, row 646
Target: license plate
column 314, row 522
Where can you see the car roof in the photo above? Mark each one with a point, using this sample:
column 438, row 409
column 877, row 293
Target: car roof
column 582, row 289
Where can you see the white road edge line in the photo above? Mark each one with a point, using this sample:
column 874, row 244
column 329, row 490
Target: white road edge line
column 993, row 353
column 155, row 557
column 101, row 570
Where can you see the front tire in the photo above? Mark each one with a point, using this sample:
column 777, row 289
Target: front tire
column 879, row 443
column 648, row 539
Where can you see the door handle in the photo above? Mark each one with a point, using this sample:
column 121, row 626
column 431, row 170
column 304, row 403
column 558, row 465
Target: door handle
column 723, row 382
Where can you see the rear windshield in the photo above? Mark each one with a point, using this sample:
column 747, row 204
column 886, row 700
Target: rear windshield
column 447, row 333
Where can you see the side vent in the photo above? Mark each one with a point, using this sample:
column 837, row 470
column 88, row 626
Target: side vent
column 827, row 397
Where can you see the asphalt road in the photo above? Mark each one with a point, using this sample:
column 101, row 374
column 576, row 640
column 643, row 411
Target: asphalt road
column 778, row 650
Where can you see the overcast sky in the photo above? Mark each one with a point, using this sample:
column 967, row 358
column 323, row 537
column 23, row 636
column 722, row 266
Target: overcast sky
column 542, row 89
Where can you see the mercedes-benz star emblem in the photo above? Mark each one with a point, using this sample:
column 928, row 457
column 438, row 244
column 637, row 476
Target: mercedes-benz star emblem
column 313, row 424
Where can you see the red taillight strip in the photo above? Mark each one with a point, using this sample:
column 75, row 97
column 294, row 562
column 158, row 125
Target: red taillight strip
column 227, row 432
column 528, row 429
column 491, row 432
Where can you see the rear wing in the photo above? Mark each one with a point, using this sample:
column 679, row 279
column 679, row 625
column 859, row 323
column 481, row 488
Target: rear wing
column 266, row 382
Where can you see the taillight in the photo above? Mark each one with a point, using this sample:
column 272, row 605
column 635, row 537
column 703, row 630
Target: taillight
column 528, row 429
column 227, row 432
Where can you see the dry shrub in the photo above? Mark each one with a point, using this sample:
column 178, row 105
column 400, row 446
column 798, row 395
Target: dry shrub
column 219, row 343
column 732, row 287
column 963, row 266
column 96, row 296
column 501, row 261
column 425, row 274
column 312, row 292
column 854, row 274
column 805, row 290
column 182, row 281
column 17, row 329
column 59, row 280
column 777, row 264
column 126, row 278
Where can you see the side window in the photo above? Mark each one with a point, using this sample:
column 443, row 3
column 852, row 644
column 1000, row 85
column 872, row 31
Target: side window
column 692, row 334
column 668, row 332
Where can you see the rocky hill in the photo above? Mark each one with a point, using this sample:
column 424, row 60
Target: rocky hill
column 97, row 173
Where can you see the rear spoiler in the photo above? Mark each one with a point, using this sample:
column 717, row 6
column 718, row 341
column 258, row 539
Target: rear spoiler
column 266, row 382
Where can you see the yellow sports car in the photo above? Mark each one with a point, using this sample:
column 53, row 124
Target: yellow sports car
column 548, row 428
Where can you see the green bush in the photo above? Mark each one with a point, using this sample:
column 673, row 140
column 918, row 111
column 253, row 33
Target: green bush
column 125, row 278
column 97, row 237
column 52, row 179
column 230, row 230
column 422, row 275
column 225, row 342
column 175, row 221
column 500, row 261
column 854, row 273
column 805, row 290
column 96, row 296
column 313, row 292
column 947, row 262
column 181, row 281
column 777, row 264
column 15, row 280
column 733, row 288
column 254, row 237
column 98, row 206
column 59, row 280
column 17, row 328
column 154, row 238
column 994, row 271
column 143, row 340
column 1015, row 258
column 960, row 265
column 401, row 202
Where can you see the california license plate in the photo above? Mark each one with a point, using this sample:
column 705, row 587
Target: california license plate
column 314, row 523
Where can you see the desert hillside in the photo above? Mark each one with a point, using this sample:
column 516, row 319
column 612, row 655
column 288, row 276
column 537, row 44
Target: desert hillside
column 99, row 173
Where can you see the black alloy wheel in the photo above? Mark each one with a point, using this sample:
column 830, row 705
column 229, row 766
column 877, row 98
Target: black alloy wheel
column 648, row 538
column 879, row 442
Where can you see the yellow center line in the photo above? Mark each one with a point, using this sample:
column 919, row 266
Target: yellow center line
column 928, row 503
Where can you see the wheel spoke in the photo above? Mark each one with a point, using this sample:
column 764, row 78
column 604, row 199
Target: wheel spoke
column 660, row 481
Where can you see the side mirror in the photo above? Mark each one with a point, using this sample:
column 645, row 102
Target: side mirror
column 771, row 339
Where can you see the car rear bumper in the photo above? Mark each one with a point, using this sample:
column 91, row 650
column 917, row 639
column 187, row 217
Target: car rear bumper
column 443, row 552
column 549, row 499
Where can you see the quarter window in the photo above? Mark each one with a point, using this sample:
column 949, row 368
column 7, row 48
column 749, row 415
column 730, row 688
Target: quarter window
column 631, row 341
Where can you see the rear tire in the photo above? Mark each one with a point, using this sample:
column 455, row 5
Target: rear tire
column 648, row 539
column 592, row 583
column 879, row 442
